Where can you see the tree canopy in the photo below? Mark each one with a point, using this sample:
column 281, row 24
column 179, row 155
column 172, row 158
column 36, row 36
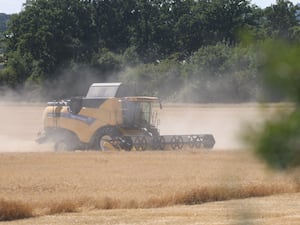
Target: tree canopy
column 50, row 37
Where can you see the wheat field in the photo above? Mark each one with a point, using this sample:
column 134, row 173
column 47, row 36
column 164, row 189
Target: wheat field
column 227, row 185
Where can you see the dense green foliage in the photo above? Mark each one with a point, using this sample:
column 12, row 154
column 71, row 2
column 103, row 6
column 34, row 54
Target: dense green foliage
column 215, row 73
column 195, row 47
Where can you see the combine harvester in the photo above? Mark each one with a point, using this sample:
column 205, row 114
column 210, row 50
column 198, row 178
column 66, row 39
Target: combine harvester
column 111, row 116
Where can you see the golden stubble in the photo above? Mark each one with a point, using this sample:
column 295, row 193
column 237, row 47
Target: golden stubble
column 72, row 182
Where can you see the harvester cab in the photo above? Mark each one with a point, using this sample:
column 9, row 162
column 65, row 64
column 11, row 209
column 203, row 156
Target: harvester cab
column 138, row 113
column 111, row 116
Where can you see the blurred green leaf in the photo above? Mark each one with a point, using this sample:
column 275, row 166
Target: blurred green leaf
column 278, row 143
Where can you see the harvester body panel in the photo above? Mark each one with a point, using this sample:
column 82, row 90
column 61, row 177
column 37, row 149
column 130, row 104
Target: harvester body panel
column 87, row 121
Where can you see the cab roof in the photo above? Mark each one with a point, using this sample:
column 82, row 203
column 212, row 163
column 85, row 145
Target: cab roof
column 141, row 99
column 106, row 84
column 116, row 90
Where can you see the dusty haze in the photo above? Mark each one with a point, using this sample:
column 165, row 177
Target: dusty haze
column 20, row 123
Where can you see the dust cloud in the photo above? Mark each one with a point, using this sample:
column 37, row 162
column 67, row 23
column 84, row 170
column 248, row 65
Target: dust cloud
column 74, row 82
column 20, row 123
column 226, row 122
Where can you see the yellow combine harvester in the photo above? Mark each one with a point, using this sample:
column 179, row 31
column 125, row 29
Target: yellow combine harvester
column 110, row 117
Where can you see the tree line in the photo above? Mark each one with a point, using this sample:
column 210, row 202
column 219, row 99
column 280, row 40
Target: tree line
column 182, row 50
